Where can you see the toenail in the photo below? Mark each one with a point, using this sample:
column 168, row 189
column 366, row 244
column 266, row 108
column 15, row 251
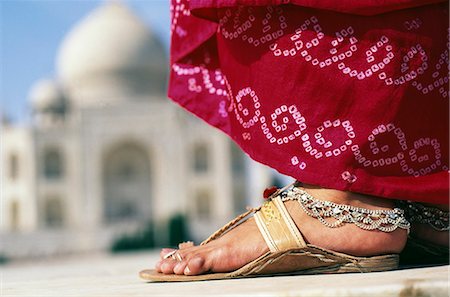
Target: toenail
column 165, row 251
column 164, row 266
column 178, row 266
column 187, row 270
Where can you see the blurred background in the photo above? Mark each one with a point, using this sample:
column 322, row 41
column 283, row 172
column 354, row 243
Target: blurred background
column 94, row 156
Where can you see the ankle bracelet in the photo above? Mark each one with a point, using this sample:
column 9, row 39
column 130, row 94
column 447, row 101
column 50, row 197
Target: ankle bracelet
column 419, row 213
column 367, row 219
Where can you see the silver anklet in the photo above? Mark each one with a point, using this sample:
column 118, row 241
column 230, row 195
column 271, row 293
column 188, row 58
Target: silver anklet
column 419, row 213
column 367, row 219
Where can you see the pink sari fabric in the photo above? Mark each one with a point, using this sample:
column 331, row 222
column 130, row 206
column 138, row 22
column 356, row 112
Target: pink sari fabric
column 349, row 95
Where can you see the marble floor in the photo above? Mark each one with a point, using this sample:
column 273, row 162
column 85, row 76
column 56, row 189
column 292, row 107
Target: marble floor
column 117, row 275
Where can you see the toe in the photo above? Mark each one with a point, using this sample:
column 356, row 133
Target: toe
column 158, row 266
column 167, row 266
column 165, row 251
column 185, row 245
column 195, row 266
column 180, row 267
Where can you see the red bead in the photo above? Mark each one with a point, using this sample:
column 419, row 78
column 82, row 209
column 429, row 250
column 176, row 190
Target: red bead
column 269, row 191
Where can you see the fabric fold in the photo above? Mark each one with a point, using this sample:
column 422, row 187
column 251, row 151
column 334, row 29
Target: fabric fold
column 323, row 93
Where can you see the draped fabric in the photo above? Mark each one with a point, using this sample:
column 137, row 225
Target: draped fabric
column 349, row 95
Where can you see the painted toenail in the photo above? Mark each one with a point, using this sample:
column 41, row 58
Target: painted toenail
column 177, row 267
column 164, row 266
column 187, row 270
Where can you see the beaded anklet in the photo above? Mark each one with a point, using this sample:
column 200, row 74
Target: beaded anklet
column 419, row 213
column 334, row 215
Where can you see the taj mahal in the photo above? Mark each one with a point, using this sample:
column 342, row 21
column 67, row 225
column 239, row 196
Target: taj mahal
column 107, row 151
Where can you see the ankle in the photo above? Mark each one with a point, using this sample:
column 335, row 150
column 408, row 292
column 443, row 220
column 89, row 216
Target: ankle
column 349, row 198
column 347, row 221
column 425, row 232
column 429, row 222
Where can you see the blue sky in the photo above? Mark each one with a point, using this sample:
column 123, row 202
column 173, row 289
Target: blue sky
column 31, row 32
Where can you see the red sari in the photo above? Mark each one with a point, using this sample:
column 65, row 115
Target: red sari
column 349, row 95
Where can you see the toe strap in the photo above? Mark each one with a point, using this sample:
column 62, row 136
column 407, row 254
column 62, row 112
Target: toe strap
column 277, row 227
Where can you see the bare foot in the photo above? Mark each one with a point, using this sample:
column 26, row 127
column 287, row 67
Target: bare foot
column 245, row 243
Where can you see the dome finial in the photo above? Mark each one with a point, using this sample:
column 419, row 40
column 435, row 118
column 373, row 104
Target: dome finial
column 120, row 2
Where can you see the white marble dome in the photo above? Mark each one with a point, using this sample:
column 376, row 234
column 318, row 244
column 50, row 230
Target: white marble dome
column 46, row 96
column 110, row 56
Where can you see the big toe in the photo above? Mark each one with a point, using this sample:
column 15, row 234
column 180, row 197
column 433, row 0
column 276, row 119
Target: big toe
column 195, row 266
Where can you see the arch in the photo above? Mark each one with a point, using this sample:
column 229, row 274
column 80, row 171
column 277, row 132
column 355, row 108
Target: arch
column 239, row 177
column 200, row 158
column 53, row 163
column 53, row 212
column 126, row 176
column 14, row 214
column 13, row 166
column 237, row 160
column 203, row 205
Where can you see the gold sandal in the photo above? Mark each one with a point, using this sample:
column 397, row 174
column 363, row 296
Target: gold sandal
column 289, row 253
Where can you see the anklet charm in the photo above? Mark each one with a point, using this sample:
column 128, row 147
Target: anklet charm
column 334, row 215
column 419, row 213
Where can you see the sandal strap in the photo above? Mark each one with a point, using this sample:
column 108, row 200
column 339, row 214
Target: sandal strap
column 230, row 225
column 241, row 218
column 277, row 227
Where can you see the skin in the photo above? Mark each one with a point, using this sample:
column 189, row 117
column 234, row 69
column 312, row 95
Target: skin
column 427, row 233
column 245, row 243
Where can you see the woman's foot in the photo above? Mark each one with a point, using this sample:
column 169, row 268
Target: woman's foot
column 427, row 246
column 429, row 234
column 245, row 243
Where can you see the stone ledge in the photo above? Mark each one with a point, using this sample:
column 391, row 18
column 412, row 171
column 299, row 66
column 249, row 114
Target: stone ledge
column 106, row 275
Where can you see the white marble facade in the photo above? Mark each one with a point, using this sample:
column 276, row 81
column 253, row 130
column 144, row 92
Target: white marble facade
column 108, row 152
